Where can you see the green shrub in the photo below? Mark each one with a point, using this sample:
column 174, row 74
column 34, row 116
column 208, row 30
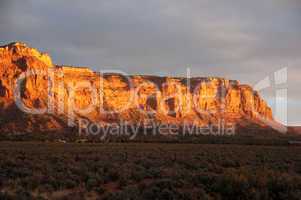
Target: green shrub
column 91, row 183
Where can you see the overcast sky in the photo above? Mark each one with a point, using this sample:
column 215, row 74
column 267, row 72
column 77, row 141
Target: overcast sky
column 235, row 39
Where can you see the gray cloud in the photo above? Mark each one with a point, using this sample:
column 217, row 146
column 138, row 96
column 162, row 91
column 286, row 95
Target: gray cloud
column 245, row 40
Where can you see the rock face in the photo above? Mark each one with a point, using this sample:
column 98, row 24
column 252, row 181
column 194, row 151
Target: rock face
column 47, row 96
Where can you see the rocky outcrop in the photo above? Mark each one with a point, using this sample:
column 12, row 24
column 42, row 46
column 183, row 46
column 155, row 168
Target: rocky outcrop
column 30, row 82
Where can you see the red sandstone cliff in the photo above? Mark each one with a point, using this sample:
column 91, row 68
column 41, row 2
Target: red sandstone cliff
column 63, row 93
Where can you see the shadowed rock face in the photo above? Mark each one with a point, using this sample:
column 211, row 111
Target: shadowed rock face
column 77, row 92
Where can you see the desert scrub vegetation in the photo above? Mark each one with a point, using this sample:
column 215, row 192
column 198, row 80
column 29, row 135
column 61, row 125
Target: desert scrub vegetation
column 36, row 170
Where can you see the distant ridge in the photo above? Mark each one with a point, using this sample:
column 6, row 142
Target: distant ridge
column 176, row 103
